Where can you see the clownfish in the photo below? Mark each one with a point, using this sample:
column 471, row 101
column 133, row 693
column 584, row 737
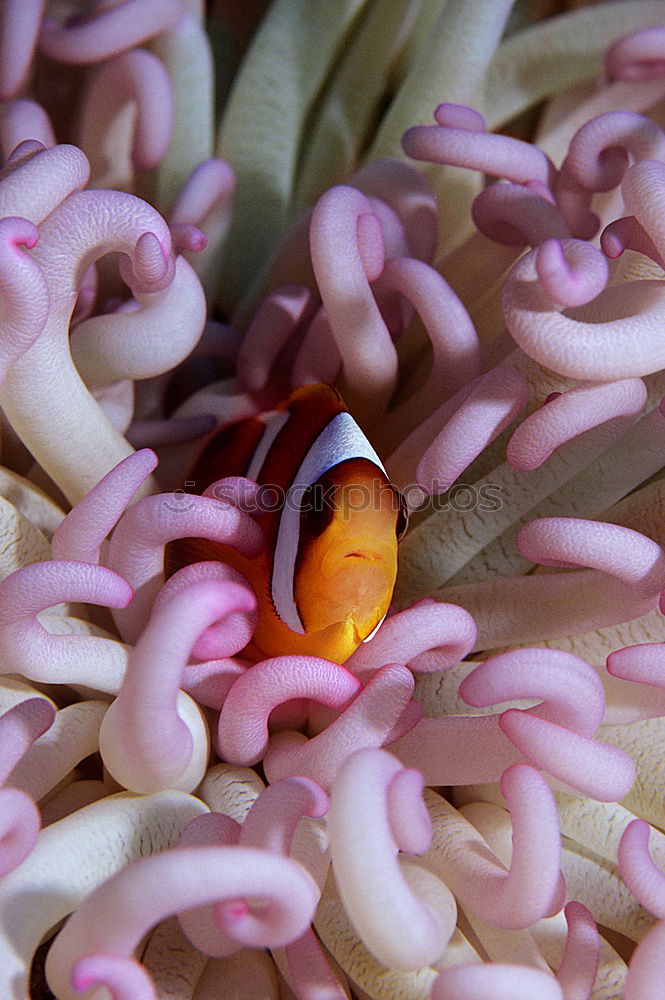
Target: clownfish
column 331, row 522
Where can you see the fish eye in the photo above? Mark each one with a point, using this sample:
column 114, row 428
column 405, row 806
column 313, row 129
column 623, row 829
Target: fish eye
column 316, row 510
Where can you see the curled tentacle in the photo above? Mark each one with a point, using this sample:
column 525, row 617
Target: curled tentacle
column 636, row 560
column 134, row 345
column 80, row 534
column 401, row 929
column 637, row 56
column 113, row 29
column 380, row 713
column 600, row 152
column 444, row 629
column 124, row 977
column 517, row 215
column 27, row 647
column 231, row 634
column 570, row 414
column 347, row 253
column 140, row 78
column 465, row 143
column 408, row 193
column 611, row 349
column 489, row 405
column 177, row 880
column 243, row 722
column 137, row 545
column 135, row 755
column 456, row 351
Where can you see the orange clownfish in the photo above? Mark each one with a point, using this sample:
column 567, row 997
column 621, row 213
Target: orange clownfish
column 331, row 522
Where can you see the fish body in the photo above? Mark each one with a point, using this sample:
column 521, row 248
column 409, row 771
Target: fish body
column 330, row 518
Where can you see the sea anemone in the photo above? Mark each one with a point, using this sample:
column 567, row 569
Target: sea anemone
column 452, row 213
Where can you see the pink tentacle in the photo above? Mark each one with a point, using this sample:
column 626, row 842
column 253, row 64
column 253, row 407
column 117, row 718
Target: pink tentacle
column 337, row 237
column 571, row 691
column 637, row 56
column 426, row 626
column 19, row 28
column 627, row 234
column 570, row 273
column 594, row 769
column 310, row 972
column 131, row 344
column 187, row 238
column 19, row 828
column 641, row 875
column 407, row 191
column 25, row 645
column 209, row 683
column 371, row 721
column 641, row 188
column 87, row 295
column 199, row 923
column 210, row 186
column 84, row 227
column 23, row 292
column 495, row 980
column 113, row 29
column 22, row 154
column 643, row 663
column 271, row 824
column 463, row 146
column 243, row 721
column 23, row 119
column 517, row 216
column 409, row 820
column 241, row 492
column 280, row 315
column 227, row 637
column 318, row 358
column 645, row 972
column 600, row 151
column 493, row 401
column 124, row 977
column 457, row 750
column 80, row 534
column 138, row 77
column 456, row 350
column 274, row 816
column 395, row 925
column 524, row 894
column 19, row 728
column 527, row 609
column 116, row 916
column 601, row 351
column 210, row 828
column 133, row 753
column 636, row 560
column 569, row 415
column 598, row 157
column 137, row 546
column 576, row 974
column 36, row 180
